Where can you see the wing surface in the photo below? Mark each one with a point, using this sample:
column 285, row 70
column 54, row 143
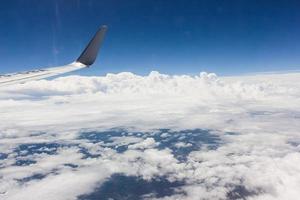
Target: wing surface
column 86, row 59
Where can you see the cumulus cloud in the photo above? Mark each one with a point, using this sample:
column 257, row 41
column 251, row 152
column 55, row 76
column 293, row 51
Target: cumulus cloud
column 147, row 143
column 63, row 138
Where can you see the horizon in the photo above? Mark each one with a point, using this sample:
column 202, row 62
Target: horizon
column 189, row 100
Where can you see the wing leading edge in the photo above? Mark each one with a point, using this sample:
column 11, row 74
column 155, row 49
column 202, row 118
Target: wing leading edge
column 86, row 59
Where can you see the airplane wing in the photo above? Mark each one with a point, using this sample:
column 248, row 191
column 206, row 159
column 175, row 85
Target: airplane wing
column 86, row 59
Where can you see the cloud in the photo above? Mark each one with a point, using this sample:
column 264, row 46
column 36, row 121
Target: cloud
column 147, row 143
column 63, row 138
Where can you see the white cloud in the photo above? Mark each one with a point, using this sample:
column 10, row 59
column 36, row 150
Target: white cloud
column 147, row 143
column 261, row 152
column 182, row 144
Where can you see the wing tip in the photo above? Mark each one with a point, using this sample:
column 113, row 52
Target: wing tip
column 89, row 55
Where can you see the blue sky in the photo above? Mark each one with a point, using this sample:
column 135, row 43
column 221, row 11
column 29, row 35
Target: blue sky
column 170, row 36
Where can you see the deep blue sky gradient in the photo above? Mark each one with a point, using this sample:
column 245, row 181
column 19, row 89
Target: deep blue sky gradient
column 170, row 36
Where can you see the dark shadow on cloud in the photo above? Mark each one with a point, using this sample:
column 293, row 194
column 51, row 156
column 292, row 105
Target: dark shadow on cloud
column 294, row 143
column 87, row 154
column 3, row 156
column 31, row 178
column 194, row 139
column 25, row 150
column 71, row 165
column 240, row 192
column 37, row 148
column 24, row 162
column 107, row 138
column 121, row 187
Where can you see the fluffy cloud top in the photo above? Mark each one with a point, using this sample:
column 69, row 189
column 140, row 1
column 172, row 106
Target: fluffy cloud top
column 57, row 137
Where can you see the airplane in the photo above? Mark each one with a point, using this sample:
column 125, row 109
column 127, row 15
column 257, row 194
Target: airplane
column 86, row 59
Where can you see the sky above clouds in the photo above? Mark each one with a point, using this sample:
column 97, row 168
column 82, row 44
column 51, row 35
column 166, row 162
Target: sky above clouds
column 172, row 37
column 181, row 137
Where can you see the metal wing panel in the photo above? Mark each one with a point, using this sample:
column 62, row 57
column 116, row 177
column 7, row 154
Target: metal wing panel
column 23, row 77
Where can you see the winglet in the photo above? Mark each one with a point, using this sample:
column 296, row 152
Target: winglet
column 89, row 55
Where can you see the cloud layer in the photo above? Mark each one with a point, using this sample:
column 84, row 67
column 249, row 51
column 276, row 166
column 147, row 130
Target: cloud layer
column 222, row 137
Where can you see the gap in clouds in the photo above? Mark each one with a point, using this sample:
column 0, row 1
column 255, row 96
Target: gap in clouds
column 120, row 186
